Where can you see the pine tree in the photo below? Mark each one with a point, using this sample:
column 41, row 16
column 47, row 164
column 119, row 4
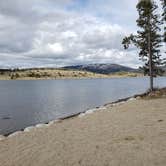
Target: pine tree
column 147, row 39
column 163, row 2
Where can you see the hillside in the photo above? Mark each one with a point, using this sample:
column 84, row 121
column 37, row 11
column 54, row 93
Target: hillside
column 58, row 73
column 102, row 68
column 46, row 73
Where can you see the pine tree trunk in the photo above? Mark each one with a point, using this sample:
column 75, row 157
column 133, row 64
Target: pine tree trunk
column 151, row 70
column 150, row 57
column 150, row 63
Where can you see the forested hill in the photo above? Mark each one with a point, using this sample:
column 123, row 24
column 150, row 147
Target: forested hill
column 102, row 68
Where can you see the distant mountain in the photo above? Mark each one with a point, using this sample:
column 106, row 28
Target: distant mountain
column 102, row 68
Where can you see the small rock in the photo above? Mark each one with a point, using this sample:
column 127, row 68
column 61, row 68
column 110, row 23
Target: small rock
column 81, row 115
column 15, row 133
column 102, row 108
column 41, row 125
column 119, row 103
column 90, row 111
column 122, row 102
column 114, row 104
column 2, row 137
column 51, row 123
column 28, row 129
column 131, row 99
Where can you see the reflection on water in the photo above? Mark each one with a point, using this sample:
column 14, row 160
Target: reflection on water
column 25, row 103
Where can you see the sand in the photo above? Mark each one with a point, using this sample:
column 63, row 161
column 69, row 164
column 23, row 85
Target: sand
column 129, row 134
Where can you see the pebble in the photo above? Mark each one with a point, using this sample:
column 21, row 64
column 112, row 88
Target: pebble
column 41, row 125
column 131, row 99
column 90, row 111
column 81, row 115
column 15, row 133
column 53, row 122
column 28, row 129
column 2, row 137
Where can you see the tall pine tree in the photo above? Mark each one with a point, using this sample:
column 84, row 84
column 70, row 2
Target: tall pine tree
column 147, row 39
column 163, row 2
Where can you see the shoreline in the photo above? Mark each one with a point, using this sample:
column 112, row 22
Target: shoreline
column 83, row 113
column 68, row 78
column 79, row 114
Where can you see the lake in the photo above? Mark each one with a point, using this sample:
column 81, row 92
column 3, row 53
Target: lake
column 26, row 103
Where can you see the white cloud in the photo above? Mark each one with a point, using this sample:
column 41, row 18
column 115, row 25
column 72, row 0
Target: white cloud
column 46, row 33
column 55, row 48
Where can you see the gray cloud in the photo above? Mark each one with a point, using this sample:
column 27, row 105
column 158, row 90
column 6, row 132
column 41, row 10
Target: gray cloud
column 47, row 33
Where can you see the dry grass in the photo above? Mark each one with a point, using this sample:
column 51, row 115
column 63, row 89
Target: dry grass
column 157, row 93
column 49, row 74
column 58, row 74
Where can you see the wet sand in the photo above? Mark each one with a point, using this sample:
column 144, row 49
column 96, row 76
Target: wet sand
column 128, row 134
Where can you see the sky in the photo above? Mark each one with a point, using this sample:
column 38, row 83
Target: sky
column 55, row 33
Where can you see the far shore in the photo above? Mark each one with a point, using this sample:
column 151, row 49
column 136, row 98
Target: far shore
column 66, row 78
column 40, row 74
column 128, row 132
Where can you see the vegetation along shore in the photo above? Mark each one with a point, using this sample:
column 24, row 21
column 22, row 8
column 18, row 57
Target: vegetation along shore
column 53, row 73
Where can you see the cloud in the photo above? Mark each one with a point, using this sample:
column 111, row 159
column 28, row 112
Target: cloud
column 78, row 39
column 63, row 32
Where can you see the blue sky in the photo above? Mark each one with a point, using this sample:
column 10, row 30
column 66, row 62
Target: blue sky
column 118, row 12
column 54, row 33
column 78, row 4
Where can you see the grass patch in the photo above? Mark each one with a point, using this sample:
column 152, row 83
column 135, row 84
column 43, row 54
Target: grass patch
column 156, row 93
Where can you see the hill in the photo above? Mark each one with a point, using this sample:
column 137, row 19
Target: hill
column 102, row 68
column 46, row 73
column 78, row 71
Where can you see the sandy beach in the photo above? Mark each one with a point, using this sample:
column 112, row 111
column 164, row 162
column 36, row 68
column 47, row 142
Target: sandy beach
column 129, row 134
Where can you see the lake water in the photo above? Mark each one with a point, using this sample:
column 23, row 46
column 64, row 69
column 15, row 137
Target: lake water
column 26, row 103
